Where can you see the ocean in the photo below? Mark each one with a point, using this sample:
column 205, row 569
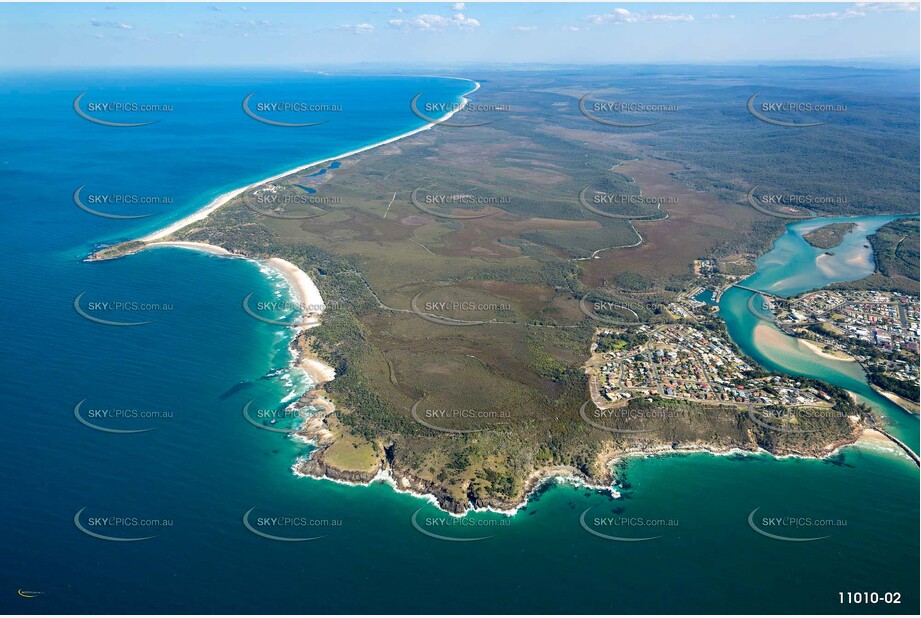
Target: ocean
column 202, row 471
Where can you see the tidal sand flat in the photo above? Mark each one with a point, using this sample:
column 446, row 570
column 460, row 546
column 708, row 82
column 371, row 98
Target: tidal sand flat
column 791, row 268
column 206, row 359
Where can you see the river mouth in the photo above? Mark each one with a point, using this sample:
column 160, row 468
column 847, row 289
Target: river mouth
column 793, row 267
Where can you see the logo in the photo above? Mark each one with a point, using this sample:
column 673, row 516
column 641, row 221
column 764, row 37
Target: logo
column 618, row 521
column 442, row 413
column 631, row 317
column 105, row 107
column 779, row 429
column 431, row 317
column 771, row 213
column 450, row 108
column 780, row 107
column 247, row 309
column 79, row 202
column 752, row 308
column 278, row 107
column 110, row 521
column 454, row 523
column 605, row 198
column 107, row 414
column 606, row 413
column 270, row 416
column 607, row 106
column 272, row 200
column 413, row 197
column 107, row 306
column 799, row 521
column 279, row 521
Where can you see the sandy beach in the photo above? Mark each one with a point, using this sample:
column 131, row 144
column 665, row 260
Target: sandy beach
column 877, row 441
column 839, row 356
column 306, row 290
column 875, row 438
column 312, row 307
column 908, row 406
column 308, row 295
column 219, row 201
column 768, row 338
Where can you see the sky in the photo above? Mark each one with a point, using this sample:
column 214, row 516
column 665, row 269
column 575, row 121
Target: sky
column 451, row 33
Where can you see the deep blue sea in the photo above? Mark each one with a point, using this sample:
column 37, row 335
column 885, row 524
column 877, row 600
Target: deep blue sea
column 189, row 482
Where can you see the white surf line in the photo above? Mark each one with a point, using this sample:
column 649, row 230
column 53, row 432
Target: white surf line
column 219, row 201
column 389, row 205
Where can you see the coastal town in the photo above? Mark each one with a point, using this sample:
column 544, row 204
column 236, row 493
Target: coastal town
column 880, row 329
column 885, row 320
column 683, row 361
column 689, row 361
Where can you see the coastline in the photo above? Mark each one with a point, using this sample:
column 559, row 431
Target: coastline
column 315, row 432
column 224, row 198
column 403, row 485
column 313, row 306
column 874, row 439
column 299, row 282
column 866, row 437
column 303, row 288
column 909, row 406
column 880, row 439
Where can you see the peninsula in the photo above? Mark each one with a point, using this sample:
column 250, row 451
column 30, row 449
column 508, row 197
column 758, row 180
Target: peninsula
column 512, row 300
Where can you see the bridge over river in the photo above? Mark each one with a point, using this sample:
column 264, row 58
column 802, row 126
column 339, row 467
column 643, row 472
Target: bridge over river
column 762, row 292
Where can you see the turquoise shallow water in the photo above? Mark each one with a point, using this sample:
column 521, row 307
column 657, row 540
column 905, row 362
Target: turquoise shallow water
column 794, row 266
column 204, row 467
